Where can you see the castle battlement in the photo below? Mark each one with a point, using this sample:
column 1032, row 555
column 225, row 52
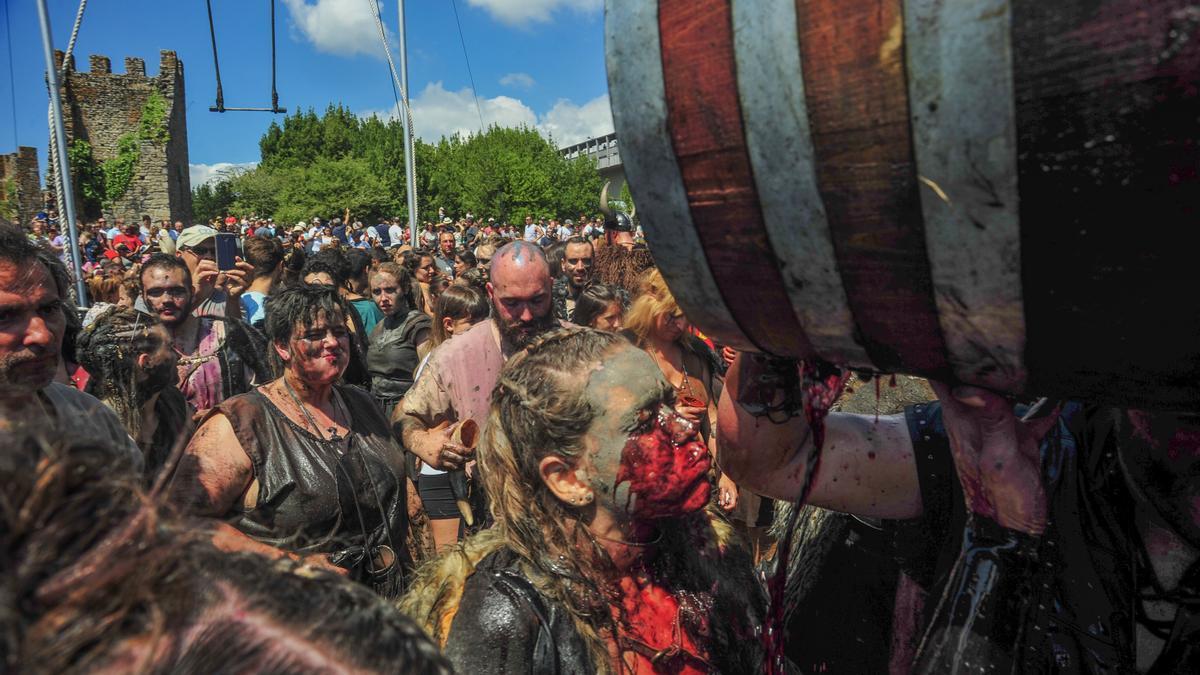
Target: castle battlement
column 101, row 107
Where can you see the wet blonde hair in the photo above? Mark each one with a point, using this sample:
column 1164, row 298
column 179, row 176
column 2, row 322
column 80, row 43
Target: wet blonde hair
column 653, row 300
column 539, row 407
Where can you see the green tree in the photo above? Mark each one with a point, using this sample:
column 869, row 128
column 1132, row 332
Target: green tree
column 322, row 165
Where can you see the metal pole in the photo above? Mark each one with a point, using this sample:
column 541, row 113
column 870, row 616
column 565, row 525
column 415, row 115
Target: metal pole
column 64, row 166
column 410, row 174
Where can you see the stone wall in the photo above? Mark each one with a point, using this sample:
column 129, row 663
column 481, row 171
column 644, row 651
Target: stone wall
column 19, row 171
column 101, row 106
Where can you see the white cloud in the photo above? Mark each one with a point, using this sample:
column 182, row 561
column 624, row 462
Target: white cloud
column 343, row 27
column 438, row 112
column 207, row 173
column 568, row 123
column 520, row 80
column 522, row 13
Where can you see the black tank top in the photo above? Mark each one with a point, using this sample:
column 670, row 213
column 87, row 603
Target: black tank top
column 347, row 499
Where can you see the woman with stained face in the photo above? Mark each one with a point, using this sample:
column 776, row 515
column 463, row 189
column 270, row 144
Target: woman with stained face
column 606, row 555
column 655, row 323
column 303, row 463
column 398, row 342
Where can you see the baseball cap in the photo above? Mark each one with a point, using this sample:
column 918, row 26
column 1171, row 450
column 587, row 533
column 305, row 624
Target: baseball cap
column 194, row 235
column 568, row 221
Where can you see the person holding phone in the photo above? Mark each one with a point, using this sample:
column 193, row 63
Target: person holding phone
column 213, row 287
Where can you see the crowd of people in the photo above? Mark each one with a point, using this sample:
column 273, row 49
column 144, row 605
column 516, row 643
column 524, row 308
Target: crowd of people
column 505, row 449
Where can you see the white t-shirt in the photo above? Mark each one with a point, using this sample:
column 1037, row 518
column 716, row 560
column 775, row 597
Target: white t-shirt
column 397, row 235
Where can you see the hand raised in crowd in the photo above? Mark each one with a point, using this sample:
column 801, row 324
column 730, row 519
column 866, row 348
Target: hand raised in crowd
column 997, row 456
column 205, row 281
column 235, row 281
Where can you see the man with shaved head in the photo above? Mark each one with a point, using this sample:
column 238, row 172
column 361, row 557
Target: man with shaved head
column 456, row 384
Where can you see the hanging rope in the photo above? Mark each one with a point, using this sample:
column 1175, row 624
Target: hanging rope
column 12, row 78
column 402, row 101
column 59, row 197
column 470, row 75
column 220, row 106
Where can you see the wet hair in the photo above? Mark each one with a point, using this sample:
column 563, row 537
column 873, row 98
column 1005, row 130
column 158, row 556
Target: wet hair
column 580, row 240
column 330, row 261
column 403, row 281
column 466, row 256
column 594, row 299
column 264, row 253
column 95, row 574
column 540, row 407
column 654, row 299
column 459, row 302
column 167, row 262
column 108, row 349
column 299, row 305
column 17, row 249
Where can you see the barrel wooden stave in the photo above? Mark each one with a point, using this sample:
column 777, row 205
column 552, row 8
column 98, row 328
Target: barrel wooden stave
column 1004, row 189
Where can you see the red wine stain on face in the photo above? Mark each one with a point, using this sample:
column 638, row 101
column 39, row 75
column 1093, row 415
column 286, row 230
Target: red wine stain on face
column 668, row 479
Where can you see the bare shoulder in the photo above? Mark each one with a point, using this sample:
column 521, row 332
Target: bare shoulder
column 215, row 469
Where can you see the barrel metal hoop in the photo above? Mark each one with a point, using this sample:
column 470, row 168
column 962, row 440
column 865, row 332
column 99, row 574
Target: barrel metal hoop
column 705, row 122
column 852, row 58
column 960, row 89
column 635, row 80
column 779, row 142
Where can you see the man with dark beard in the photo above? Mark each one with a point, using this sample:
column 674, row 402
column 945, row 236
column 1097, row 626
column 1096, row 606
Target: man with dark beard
column 219, row 358
column 576, row 275
column 457, row 382
column 33, row 285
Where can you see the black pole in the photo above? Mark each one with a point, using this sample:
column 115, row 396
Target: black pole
column 212, row 31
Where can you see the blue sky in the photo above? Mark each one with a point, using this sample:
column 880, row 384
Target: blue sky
column 535, row 62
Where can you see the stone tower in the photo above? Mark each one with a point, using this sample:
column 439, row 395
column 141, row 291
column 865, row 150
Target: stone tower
column 20, row 185
column 103, row 107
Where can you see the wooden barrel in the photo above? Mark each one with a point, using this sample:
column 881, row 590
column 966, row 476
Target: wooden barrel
column 998, row 192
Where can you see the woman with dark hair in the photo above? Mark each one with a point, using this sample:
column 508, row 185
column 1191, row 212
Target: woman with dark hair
column 330, row 267
column 605, row 556
column 464, row 260
column 601, row 306
column 303, row 463
column 131, row 368
column 399, row 341
column 421, row 266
